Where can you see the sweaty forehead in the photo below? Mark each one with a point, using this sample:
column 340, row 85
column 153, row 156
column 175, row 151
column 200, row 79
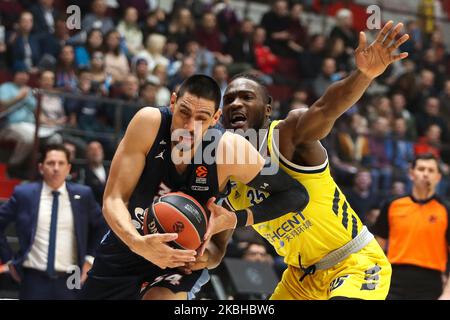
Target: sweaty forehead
column 242, row 84
column 196, row 104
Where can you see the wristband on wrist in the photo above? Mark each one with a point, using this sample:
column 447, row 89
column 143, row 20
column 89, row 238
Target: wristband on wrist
column 241, row 217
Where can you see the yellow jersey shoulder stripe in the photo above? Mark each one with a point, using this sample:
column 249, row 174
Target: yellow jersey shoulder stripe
column 295, row 167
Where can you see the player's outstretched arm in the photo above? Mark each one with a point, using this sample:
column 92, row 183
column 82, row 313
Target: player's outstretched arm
column 371, row 61
column 126, row 169
column 285, row 193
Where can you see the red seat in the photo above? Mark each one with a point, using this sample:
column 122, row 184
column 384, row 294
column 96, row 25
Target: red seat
column 5, row 76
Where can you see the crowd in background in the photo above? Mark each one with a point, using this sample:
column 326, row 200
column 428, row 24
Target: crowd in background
column 137, row 52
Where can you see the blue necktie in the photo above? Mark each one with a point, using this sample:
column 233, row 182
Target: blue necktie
column 52, row 239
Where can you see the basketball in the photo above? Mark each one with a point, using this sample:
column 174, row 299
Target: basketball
column 177, row 212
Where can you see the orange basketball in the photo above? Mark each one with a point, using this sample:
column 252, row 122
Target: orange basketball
column 177, row 212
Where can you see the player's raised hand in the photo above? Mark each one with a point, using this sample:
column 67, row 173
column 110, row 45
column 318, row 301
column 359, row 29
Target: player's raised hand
column 154, row 248
column 374, row 59
column 220, row 219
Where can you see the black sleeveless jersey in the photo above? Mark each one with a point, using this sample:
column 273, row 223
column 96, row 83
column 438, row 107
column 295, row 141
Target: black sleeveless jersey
column 159, row 176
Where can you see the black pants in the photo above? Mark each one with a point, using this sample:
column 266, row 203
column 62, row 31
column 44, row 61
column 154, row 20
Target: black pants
column 414, row 283
column 119, row 274
column 37, row 285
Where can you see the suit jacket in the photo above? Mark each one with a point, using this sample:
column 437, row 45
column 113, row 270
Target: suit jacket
column 18, row 50
column 98, row 187
column 23, row 208
column 39, row 23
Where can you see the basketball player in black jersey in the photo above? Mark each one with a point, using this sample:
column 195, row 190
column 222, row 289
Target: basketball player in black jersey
column 147, row 165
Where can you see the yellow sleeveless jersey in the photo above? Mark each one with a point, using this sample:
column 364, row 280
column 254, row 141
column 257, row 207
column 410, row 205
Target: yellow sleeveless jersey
column 326, row 224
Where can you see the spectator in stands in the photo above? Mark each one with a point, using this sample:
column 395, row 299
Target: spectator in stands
column 187, row 69
column 227, row 18
column 276, row 22
column 163, row 93
column 130, row 31
column 25, row 48
column 362, row 198
column 74, row 174
column 83, row 114
column 44, row 17
column 351, row 148
column 53, row 43
column 141, row 6
column 52, row 116
column 154, row 51
column 141, row 70
column 182, row 27
column 256, row 252
column 418, row 255
column 10, row 12
column 403, row 149
column 298, row 32
column 197, row 7
column 19, row 123
column 432, row 115
column 425, row 89
column 59, row 225
column 98, row 18
column 116, row 63
column 208, row 34
column 344, row 30
column 83, row 54
column 398, row 188
column 220, row 74
column 130, row 95
column 3, row 47
column 95, row 173
column 380, row 147
column 312, row 58
column 240, row 47
column 415, row 43
column 147, row 94
column 204, row 59
column 266, row 61
column 101, row 81
column 430, row 142
column 172, row 53
column 445, row 102
column 155, row 22
column 66, row 77
column 399, row 111
column 326, row 77
column 336, row 50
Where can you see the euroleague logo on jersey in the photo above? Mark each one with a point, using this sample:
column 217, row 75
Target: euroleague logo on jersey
column 201, row 172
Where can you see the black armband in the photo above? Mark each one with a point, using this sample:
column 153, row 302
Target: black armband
column 286, row 195
column 241, row 216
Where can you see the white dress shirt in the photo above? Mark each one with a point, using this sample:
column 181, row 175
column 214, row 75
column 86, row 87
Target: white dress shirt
column 100, row 173
column 66, row 250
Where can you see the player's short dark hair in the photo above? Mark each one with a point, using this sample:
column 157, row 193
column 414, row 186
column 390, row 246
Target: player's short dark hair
column 425, row 156
column 202, row 86
column 266, row 96
column 54, row 147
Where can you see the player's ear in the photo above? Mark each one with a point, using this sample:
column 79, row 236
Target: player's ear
column 41, row 171
column 269, row 107
column 216, row 117
column 173, row 100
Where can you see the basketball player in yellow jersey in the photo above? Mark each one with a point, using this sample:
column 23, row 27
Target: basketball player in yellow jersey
column 329, row 252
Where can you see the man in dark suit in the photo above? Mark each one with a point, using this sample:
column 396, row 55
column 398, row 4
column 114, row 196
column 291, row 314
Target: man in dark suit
column 95, row 173
column 59, row 226
column 25, row 48
column 44, row 17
